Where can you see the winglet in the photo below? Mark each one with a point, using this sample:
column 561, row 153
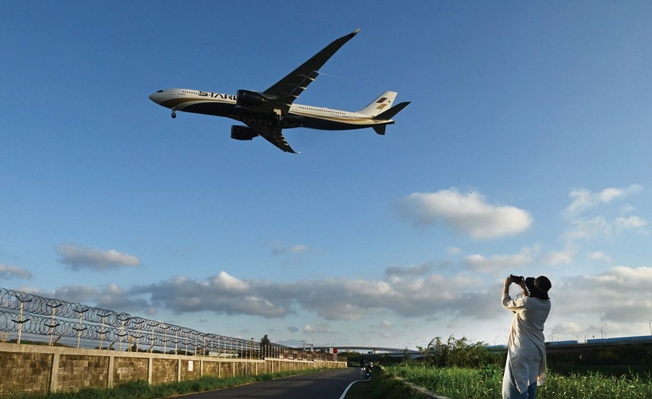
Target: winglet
column 350, row 35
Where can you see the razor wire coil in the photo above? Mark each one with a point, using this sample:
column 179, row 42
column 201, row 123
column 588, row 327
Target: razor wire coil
column 33, row 314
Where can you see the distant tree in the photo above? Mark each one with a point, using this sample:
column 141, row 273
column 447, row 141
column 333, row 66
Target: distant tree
column 265, row 346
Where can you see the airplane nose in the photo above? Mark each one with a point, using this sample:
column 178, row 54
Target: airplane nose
column 157, row 97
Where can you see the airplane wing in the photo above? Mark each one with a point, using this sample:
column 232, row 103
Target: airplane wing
column 274, row 135
column 286, row 90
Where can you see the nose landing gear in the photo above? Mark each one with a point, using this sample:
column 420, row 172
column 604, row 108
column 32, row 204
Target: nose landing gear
column 174, row 113
column 279, row 116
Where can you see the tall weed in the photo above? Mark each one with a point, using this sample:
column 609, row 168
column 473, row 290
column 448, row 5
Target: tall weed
column 486, row 383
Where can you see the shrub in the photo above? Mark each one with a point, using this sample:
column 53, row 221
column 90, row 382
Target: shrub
column 458, row 353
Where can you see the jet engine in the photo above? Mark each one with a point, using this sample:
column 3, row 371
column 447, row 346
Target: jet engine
column 249, row 98
column 242, row 133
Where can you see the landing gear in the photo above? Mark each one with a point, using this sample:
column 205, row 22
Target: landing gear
column 279, row 116
column 174, row 113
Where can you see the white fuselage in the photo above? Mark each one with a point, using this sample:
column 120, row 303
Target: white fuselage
column 220, row 104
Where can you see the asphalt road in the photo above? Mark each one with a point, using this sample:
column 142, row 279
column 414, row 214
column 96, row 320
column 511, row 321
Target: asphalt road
column 322, row 385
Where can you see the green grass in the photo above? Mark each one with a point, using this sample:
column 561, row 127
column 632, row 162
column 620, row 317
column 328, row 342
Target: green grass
column 143, row 390
column 382, row 386
column 458, row 383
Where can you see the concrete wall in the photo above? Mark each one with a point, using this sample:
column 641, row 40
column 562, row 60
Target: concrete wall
column 42, row 369
column 24, row 372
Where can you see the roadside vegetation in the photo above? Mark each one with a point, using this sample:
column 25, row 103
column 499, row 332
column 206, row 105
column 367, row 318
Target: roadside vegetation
column 459, row 369
column 467, row 383
column 382, row 386
column 143, row 390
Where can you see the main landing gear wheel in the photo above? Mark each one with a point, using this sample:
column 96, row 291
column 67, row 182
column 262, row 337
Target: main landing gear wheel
column 279, row 116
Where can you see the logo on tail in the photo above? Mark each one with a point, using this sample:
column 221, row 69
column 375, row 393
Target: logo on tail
column 382, row 103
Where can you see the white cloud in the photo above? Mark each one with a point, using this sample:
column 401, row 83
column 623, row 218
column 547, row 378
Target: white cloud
column 108, row 296
column 581, row 200
column 568, row 327
column 597, row 227
column 453, row 251
column 565, row 256
column 620, row 294
column 330, row 298
column 601, row 226
column 588, row 229
column 224, row 281
column 601, row 256
column 76, row 293
column 632, row 222
column 221, row 293
column 481, row 263
column 627, row 208
column 410, row 271
column 467, row 213
column 386, row 324
column 279, row 248
column 14, row 271
column 77, row 257
column 298, row 248
column 320, row 327
column 584, row 199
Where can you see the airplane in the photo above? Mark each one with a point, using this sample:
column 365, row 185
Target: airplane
column 267, row 113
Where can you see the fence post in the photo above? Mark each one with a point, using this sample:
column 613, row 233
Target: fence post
column 20, row 320
column 80, row 329
column 52, row 325
column 165, row 337
column 109, row 379
column 102, row 332
column 54, row 372
column 122, row 334
column 150, row 369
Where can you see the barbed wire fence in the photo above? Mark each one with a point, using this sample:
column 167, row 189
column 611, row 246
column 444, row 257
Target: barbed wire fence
column 24, row 315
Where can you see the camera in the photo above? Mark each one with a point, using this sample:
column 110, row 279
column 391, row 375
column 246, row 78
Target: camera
column 515, row 279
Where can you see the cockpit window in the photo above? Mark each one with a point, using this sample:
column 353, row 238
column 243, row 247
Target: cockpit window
column 160, row 91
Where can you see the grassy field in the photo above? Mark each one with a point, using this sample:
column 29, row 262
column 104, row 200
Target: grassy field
column 459, row 383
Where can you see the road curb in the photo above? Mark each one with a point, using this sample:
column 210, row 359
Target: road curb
column 349, row 387
column 421, row 389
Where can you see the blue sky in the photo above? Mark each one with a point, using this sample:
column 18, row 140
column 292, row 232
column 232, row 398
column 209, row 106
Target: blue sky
column 525, row 150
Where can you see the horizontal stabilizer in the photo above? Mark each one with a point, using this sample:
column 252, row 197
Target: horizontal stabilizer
column 389, row 114
column 380, row 129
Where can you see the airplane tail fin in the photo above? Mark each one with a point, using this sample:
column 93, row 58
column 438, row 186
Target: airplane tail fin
column 379, row 105
column 387, row 116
